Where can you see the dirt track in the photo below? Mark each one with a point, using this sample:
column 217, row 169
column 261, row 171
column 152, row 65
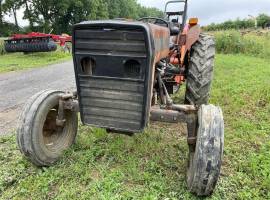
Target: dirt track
column 17, row 87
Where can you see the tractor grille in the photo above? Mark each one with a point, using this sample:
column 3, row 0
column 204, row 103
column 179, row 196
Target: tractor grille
column 112, row 103
column 110, row 42
column 111, row 67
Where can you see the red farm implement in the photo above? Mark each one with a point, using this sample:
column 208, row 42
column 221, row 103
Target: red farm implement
column 36, row 42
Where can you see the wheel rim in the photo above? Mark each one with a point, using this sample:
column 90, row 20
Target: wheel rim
column 51, row 133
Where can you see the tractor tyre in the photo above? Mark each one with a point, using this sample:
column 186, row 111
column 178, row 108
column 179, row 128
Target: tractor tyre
column 38, row 136
column 205, row 160
column 200, row 71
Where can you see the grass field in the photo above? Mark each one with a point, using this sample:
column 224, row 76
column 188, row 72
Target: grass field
column 20, row 61
column 152, row 165
column 251, row 43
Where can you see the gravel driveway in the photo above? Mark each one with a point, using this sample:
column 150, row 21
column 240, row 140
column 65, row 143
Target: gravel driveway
column 17, row 87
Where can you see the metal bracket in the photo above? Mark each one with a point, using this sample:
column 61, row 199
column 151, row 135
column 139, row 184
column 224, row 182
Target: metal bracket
column 71, row 104
column 178, row 114
column 60, row 120
column 67, row 101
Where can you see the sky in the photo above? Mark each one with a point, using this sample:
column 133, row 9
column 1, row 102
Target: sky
column 208, row 11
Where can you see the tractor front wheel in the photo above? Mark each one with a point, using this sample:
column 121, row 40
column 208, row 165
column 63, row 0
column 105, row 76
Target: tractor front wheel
column 40, row 138
column 205, row 160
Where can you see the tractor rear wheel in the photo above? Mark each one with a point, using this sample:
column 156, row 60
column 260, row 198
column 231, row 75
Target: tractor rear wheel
column 205, row 160
column 200, row 71
column 39, row 137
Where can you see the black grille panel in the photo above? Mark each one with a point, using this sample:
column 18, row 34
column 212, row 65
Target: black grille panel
column 112, row 62
column 110, row 42
column 113, row 103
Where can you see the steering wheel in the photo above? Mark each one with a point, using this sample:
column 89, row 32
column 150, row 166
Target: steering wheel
column 154, row 20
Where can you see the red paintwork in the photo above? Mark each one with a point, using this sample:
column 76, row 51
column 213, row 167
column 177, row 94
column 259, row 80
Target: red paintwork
column 184, row 41
column 61, row 39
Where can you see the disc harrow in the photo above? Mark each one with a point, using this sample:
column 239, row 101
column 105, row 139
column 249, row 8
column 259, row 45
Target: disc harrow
column 35, row 42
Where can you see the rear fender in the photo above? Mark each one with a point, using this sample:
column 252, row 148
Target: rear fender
column 189, row 37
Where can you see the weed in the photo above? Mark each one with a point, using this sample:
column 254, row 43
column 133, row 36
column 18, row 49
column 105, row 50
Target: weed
column 2, row 47
column 234, row 42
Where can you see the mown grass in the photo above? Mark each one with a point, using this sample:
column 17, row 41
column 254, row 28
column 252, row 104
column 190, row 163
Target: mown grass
column 152, row 165
column 236, row 42
column 20, row 61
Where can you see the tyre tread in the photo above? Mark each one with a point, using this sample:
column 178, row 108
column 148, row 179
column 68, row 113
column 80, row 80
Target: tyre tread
column 200, row 71
column 206, row 161
column 26, row 122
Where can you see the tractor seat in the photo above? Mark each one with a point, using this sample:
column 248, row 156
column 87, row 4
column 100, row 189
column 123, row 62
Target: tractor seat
column 174, row 29
column 172, row 45
column 175, row 13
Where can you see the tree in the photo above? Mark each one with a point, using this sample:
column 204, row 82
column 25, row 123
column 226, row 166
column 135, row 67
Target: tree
column 77, row 11
column 236, row 24
column 28, row 13
column 149, row 12
column 60, row 15
column 98, row 10
column 1, row 13
column 263, row 20
column 128, row 9
column 11, row 7
column 43, row 8
column 50, row 11
column 114, row 8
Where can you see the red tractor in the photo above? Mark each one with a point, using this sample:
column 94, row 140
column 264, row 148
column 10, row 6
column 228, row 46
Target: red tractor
column 125, row 74
column 36, row 42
